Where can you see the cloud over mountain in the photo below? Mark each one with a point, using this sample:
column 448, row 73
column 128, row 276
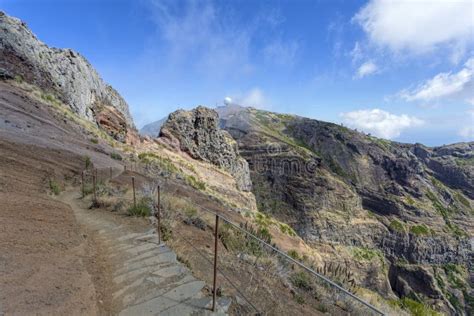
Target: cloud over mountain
column 380, row 123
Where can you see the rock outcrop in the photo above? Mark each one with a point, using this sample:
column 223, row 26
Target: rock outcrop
column 199, row 135
column 62, row 72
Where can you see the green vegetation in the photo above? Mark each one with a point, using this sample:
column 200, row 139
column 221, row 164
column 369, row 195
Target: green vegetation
column 455, row 230
column 142, row 209
column 366, row 254
column 420, row 230
column 301, row 280
column 87, row 161
column 94, row 140
column 445, row 213
column 409, row 200
column 54, row 187
column 335, row 167
column 462, row 200
column 454, row 301
column 263, row 220
column 164, row 163
column 299, row 299
column 190, row 211
column 454, row 274
column 274, row 125
column 322, row 308
column 18, row 79
column 115, row 156
column 415, row 308
column 286, row 229
column 437, row 183
column 238, row 241
column 50, row 98
column 197, row 184
column 166, row 232
column 463, row 162
column 438, row 205
column 397, row 226
column 294, row 254
column 383, row 143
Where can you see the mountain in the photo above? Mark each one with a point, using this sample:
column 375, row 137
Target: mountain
column 407, row 204
column 152, row 129
column 391, row 222
column 63, row 74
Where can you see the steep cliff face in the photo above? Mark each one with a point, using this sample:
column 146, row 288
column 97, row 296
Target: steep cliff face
column 411, row 203
column 63, row 73
column 198, row 134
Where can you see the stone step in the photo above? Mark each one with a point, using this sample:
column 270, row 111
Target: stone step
column 154, row 287
column 167, row 257
column 181, row 295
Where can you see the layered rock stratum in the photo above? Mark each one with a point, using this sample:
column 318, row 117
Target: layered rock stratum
column 410, row 206
column 62, row 73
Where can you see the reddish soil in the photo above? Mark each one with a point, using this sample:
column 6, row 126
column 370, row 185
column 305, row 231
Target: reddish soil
column 46, row 263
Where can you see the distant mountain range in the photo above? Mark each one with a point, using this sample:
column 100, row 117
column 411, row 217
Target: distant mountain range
column 152, row 129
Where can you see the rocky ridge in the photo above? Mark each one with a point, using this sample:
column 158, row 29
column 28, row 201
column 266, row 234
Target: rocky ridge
column 63, row 73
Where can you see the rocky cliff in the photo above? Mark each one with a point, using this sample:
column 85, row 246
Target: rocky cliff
column 411, row 206
column 198, row 134
column 63, row 73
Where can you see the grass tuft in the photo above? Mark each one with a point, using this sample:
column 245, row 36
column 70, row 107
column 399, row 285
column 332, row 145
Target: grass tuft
column 420, row 230
column 115, row 156
column 142, row 209
column 397, row 226
column 54, row 186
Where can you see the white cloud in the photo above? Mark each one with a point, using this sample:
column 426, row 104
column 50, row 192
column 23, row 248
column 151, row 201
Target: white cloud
column 252, row 98
column 366, row 69
column 445, row 85
column 356, row 53
column 281, row 53
column 380, row 123
column 202, row 36
column 418, row 26
column 468, row 130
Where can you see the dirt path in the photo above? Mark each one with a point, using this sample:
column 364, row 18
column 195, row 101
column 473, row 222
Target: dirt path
column 134, row 275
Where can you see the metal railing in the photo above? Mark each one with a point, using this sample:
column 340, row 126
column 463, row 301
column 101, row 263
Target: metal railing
column 345, row 301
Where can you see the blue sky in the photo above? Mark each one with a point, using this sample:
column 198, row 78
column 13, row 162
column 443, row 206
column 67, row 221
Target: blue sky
column 402, row 69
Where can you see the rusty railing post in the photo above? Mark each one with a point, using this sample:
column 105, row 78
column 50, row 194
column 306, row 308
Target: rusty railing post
column 134, row 196
column 96, row 175
column 216, row 238
column 158, row 215
column 82, row 184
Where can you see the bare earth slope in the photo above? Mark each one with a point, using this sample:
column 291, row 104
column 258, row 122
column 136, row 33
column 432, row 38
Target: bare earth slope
column 44, row 259
column 42, row 266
